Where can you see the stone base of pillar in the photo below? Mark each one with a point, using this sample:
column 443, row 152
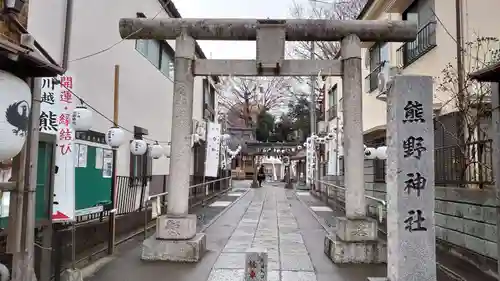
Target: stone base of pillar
column 175, row 240
column 355, row 241
column 191, row 250
column 378, row 279
column 176, row 228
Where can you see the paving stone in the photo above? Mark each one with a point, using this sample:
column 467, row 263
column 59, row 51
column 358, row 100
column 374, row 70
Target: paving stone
column 230, row 261
column 226, row 275
column 298, row 262
column 298, row 276
column 273, row 275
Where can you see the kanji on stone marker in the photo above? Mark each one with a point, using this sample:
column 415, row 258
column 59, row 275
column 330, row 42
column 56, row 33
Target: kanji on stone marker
column 416, row 182
column 414, row 112
column 413, row 146
column 414, row 221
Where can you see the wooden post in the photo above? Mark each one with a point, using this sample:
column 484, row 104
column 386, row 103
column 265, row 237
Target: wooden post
column 31, row 165
column 15, row 221
column 112, row 215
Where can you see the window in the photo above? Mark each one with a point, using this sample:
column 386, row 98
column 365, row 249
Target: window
column 379, row 58
column 167, row 61
column 421, row 12
column 208, row 100
column 160, row 54
column 332, row 102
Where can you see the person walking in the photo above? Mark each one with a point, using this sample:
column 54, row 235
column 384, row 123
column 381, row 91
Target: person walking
column 261, row 175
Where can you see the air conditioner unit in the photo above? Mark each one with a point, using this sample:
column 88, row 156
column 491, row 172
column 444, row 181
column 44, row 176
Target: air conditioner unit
column 322, row 127
column 14, row 5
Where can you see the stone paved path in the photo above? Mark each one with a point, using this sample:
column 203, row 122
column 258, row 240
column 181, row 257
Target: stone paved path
column 267, row 223
column 269, row 217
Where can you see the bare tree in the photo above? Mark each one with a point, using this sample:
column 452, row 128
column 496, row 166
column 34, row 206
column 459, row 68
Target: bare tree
column 473, row 108
column 248, row 96
column 322, row 9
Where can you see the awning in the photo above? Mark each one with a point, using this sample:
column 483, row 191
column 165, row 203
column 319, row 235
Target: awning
column 488, row 74
column 24, row 62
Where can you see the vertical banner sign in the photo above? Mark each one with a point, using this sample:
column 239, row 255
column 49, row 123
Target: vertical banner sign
column 57, row 106
column 213, row 148
column 410, row 180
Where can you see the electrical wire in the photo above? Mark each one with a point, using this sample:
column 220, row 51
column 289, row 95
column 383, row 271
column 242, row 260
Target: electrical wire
column 455, row 39
column 117, row 43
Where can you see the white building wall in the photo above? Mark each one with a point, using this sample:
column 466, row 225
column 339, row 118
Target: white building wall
column 145, row 93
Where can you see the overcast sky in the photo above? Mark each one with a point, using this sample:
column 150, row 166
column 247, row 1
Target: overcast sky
column 232, row 9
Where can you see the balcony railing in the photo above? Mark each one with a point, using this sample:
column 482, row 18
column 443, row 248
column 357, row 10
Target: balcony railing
column 332, row 112
column 411, row 51
column 371, row 80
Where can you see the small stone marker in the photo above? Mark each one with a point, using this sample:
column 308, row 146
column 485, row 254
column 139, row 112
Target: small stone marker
column 256, row 265
column 410, row 180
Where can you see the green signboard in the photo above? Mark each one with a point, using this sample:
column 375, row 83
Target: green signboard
column 92, row 178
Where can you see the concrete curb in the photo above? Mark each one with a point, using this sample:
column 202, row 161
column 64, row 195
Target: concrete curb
column 325, row 227
column 212, row 221
column 92, row 268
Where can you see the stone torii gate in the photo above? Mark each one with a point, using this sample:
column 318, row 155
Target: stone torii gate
column 176, row 238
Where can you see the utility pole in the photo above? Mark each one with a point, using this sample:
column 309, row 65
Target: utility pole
column 312, row 117
column 461, row 120
column 112, row 215
column 28, row 242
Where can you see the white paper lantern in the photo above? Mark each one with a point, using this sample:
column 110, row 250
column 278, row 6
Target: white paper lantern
column 299, row 147
column 330, row 136
column 138, row 147
column 370, row 153
column 115, row 137
column 381, row 152
column 156, row 151
column 15, row 104
column 82, row 119
column 315, row 137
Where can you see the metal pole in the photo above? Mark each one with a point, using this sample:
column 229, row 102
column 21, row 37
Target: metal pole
column 112, row 215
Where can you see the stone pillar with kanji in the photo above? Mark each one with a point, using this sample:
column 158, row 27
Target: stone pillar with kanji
column 411, row 237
